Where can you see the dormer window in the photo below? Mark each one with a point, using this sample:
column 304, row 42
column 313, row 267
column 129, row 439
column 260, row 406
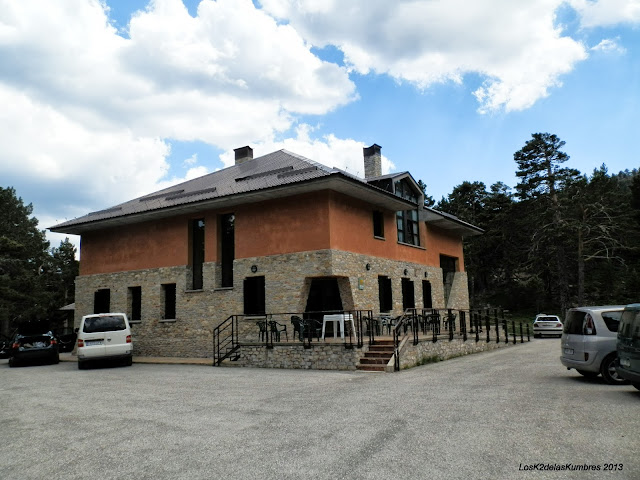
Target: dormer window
column 407, row 220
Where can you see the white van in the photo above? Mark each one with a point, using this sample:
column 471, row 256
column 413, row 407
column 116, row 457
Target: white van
column 104, row 336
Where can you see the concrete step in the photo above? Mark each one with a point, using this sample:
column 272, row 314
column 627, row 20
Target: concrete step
column 371, row 368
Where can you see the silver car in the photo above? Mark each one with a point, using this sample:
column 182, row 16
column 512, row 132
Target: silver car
column 589, row 341
column 547, row 325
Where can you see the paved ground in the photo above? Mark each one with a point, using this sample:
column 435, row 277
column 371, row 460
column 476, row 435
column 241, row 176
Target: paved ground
column 485, row 416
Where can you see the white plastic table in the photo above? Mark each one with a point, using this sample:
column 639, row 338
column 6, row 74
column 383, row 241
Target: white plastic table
column 335, row 318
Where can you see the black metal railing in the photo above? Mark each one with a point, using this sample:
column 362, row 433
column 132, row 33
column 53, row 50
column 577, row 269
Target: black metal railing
column 225, row 340
column 416, row 325
column 436, row 324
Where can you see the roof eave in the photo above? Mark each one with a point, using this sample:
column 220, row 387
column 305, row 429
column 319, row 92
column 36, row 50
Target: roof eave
column 450, row 224
column 335, row 181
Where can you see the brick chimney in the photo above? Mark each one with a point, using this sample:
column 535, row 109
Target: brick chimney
column 243, row 154
column 372, row 161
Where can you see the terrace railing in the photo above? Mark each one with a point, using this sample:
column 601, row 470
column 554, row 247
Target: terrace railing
column 414, row 325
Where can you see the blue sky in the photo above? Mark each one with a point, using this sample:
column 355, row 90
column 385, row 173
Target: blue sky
column 106, row 101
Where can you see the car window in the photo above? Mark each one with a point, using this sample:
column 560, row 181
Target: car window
column 573, row 323
column 104, row 324
column 630, row 324
column 547, row 319
column 612, row 320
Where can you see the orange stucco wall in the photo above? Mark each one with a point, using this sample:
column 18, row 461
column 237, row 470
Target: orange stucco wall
column 314, row 221
column 439, row 242
column 147, row 245
column 352, row 230
column 295, row 224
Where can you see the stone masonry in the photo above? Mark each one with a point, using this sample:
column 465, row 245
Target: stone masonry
column 287, row 283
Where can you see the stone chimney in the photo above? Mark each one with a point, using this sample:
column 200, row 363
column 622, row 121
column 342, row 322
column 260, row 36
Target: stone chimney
column 372, row 161
column 243, row 154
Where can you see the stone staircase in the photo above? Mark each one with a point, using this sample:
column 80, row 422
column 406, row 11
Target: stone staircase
column 377, row 357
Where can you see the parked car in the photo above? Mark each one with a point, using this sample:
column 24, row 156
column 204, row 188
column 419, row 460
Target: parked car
column 104, row 336
column 589, row 342
column 34, row 342
column 628, row 366
column 66, row 339
column 547, row 325
column 5, row 346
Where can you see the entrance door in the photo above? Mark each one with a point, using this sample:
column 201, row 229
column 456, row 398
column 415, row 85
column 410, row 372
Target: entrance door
column 408, row 299
column 426, row 294
column 324, row 295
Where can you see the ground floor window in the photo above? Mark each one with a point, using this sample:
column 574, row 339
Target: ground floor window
column 384, row 294
column 254, row 302
column 135, row 303
column 169, row 297
column 102, row 301
column 408, row 299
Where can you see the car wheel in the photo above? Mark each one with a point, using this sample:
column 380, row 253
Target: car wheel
column 55, row 360
column 13, row 362
column 636, row 385
column 587, row 374
column 129, row 361
column 82, row 365
column 609, row 373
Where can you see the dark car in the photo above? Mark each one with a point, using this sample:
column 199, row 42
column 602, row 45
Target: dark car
column 66, row 339
column 5, row 346
column 34, row 343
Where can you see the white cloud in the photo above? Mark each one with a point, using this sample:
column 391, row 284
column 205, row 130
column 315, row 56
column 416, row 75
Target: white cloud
column 606, row 13
column 192, row 160
column 90, row 115
column 515, row 46
column 609, row 45
column 331, row 151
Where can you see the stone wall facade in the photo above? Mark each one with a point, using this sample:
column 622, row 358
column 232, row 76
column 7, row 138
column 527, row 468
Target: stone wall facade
column 287, row 284
column 427, row 351
column 319, row 357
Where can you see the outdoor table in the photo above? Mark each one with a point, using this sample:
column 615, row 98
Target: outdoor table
column 335, row 318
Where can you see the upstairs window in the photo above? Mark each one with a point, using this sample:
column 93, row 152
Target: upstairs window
column 197, row 252
column 407, row 220
column 378, row 224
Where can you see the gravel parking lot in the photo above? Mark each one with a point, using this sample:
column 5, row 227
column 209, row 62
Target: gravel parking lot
column 512, row 413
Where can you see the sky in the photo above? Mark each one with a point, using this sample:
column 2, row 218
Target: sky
column 105, row 101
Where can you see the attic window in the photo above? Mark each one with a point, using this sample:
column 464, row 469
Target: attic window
column 160, row 195
column 265, row 174
column 189, row 194
column 297, row 172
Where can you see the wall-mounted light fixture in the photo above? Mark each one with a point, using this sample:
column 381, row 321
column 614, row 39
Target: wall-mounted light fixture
column 406, row 272
column 254, row 268
column 368, row 266
column 426, row 274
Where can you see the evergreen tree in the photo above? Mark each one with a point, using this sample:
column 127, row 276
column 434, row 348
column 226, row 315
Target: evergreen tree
column 23, row 256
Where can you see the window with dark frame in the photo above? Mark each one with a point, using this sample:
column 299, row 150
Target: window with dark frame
column 384, row 294
column 169, row 294
column 135, row 303
column 407, row 220
column 227, row 248
column 197, row 253
column 378, row 224
column 102, row 301
column 254, row 298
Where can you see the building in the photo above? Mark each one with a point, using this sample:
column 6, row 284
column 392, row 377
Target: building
column 278, row 233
